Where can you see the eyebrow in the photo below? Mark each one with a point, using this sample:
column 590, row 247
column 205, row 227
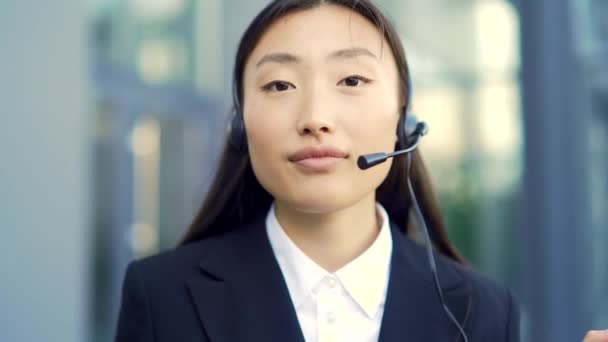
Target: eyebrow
column 286, row 58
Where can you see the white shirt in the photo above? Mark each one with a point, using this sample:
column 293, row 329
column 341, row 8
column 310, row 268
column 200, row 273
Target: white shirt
column 343, row 306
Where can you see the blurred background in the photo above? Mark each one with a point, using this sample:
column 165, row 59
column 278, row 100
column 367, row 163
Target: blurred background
column 112, row 113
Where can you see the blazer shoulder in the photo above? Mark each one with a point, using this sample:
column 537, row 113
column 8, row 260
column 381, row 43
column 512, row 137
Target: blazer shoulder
column 155, row 290
column 171, row 259
column 489, row 292
column 451, row 272
column 495, row 309
column 175, row 260
column 187, row 258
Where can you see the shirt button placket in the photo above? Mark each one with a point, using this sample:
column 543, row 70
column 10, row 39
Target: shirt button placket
column 331, row 282
column 327, row 313
column 331, row 317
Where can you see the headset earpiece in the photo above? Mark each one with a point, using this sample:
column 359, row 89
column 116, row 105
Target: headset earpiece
column 407, row 121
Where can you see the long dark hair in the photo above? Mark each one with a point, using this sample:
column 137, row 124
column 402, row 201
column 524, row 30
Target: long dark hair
column 236, row 197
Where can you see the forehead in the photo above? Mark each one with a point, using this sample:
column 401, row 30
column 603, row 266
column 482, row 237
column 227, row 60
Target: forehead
column 315, row 33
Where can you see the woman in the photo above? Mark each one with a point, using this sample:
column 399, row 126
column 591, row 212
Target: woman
column 294, row 242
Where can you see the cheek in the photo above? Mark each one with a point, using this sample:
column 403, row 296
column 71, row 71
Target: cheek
column 377, row 133
column 260, row 137
column 264, row 139
column 265, row 130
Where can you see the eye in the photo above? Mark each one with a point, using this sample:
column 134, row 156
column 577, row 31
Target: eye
column 355, row 80
column 276, row 86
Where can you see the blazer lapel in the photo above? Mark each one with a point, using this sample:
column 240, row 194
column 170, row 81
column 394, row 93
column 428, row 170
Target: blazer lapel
column 240, row 294
column 413, row 311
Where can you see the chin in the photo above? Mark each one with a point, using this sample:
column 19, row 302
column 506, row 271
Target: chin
column 322, row 202
column 324, row 194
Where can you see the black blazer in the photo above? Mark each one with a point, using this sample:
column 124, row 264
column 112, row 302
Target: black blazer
column 230, row 288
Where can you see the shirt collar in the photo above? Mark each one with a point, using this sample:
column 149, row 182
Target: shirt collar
column 364, row 278
column 301, row 274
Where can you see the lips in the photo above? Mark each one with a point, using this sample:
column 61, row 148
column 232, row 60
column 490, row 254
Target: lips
column 318, row 159
column 317, row 152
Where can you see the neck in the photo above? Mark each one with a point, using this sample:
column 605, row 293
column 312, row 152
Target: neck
column 332, row 239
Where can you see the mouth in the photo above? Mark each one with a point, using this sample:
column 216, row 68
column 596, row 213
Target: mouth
column 318, row 159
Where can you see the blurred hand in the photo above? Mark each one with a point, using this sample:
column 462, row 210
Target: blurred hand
column 596, row 336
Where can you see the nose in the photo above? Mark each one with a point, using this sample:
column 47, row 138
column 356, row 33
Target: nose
column 315, row 118
column 315, row 127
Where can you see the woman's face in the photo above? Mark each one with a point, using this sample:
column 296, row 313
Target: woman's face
column 319, row 91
